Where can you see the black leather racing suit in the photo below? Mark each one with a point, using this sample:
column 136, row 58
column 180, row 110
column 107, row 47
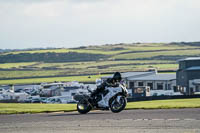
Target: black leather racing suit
column 110, row 82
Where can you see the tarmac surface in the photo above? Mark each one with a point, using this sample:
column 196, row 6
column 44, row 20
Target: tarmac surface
column 127, row 121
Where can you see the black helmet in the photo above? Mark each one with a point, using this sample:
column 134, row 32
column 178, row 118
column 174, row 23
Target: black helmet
column 117, row 77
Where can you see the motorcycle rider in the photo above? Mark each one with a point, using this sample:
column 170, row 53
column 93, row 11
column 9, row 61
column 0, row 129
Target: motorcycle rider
column 110, row 82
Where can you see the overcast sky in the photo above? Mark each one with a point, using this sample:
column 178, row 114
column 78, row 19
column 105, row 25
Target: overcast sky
column 73, row 23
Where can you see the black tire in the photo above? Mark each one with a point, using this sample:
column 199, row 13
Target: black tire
column 113, row 106
column 86, row 107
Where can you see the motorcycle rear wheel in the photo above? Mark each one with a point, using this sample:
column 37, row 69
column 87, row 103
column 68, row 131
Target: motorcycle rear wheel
column 83, row 107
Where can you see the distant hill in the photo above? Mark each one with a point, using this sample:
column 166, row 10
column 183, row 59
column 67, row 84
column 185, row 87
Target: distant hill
column 135, row 51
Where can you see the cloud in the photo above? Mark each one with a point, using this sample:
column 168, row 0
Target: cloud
column 46, row 9
column 97, row 21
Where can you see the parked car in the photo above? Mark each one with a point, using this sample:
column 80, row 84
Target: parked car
column 33, row 99
column 43, row 100
column 28, row 100
column 53, row 100
column 36, row 100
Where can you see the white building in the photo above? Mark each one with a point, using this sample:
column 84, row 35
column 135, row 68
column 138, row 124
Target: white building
column 159, row 84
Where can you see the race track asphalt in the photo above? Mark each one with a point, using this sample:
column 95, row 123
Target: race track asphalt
column 127, row 121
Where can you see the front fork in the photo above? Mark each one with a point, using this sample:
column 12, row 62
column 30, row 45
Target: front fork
column 118, row 99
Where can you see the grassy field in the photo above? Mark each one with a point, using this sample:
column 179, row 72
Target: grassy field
column 93, row 51
column 119, row 57
column 35, row 73
column 16, row 65
column 108, row 49
column 89, row 78
column 15, row 108
column 78, row 68
column 142, row 55
column 68, row 65
column 165, row 104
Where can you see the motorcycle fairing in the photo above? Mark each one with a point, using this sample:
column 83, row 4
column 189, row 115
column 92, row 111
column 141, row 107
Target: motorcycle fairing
column 112, row 91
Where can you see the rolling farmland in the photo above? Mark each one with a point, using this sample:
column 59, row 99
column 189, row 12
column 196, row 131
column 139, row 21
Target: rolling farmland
column 94, row 60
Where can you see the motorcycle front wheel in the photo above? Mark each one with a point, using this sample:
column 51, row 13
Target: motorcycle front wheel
column 117, row 104
column 83, row 107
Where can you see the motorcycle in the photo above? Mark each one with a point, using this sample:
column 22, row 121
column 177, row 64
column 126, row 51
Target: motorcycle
column 112, row 98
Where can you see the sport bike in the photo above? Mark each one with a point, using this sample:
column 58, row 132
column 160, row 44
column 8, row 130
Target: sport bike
column 112, row 98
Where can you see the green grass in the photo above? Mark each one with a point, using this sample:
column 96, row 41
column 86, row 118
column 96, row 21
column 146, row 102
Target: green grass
column 70, row 50
column 73, row 65
column 131, row 60
column 141, row 55
column 165, row 104
column 15, row 108
column 89, row 78
column 158, row 67
column 107, row 49
column 77, row 68
column 81, row 68
column 34, row 73
column 15, row 65
column 14, row 74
